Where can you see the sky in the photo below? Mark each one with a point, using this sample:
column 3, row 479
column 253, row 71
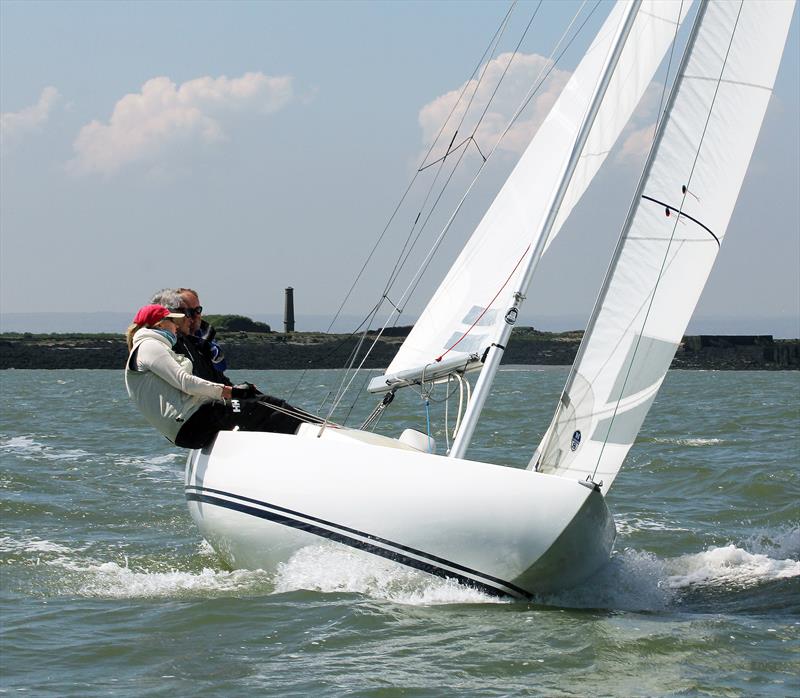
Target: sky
column 243, row 147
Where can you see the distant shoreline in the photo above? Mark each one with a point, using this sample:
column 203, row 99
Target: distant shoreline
column 308, row 350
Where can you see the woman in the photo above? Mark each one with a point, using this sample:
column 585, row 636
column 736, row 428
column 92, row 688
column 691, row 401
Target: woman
column 186, row 409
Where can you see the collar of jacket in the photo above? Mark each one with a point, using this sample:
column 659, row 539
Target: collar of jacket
column 147, row 333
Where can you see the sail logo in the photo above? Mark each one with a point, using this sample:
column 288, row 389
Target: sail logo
column 576, row 440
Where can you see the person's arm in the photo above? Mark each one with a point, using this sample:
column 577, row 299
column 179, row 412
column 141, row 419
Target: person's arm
column 154, row 356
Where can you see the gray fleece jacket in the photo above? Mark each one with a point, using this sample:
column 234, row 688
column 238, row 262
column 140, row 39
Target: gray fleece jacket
column 161, row 383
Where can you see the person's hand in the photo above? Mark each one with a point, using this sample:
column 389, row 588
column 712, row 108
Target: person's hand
column 227, row 392
column 243, row 391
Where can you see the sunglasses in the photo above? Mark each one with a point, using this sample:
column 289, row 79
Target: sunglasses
column 188, row 312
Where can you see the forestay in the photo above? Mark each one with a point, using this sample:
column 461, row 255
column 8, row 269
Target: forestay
column 671, row 238
column 471, row 302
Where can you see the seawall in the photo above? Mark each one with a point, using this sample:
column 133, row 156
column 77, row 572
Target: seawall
column 317, row 350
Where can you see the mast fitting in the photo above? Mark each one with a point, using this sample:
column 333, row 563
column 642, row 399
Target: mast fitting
column 486, row 351
column 590, row 483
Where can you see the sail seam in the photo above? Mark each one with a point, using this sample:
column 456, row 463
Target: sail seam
column 740, row 83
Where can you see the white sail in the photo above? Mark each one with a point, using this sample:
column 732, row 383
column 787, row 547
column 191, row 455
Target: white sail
column 471, row 302
column 671, row 238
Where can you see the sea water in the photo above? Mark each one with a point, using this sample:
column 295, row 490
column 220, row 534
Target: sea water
column 108, row 588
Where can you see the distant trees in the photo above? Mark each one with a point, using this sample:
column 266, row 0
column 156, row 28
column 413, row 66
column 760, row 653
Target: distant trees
column 236, row 323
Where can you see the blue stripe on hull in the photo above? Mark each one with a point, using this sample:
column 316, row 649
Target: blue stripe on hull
column 374, row 544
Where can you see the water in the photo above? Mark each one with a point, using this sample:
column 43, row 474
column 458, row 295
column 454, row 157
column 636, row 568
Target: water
column 107, row 588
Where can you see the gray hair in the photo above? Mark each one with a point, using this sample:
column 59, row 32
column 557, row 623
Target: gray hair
column 168, row 297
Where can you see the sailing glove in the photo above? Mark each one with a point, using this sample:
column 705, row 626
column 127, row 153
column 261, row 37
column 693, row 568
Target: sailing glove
column 243, row 391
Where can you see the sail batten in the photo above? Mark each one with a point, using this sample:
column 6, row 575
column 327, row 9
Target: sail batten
column 664, row 256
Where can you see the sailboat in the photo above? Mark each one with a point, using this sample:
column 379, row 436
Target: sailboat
column 258, row 498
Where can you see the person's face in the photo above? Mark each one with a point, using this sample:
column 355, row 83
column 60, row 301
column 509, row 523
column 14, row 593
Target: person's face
column 190, row 300
column 169, row 324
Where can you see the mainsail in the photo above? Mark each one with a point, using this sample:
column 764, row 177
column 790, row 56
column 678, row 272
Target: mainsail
column 671, row 237
column 471, row 303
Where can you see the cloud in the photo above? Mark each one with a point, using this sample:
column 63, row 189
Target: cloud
column 145, row 124
column 637, row 137
column 524, row 71
column 13, row 125
column 636, row 145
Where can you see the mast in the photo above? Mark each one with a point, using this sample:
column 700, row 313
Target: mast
column 494, row 352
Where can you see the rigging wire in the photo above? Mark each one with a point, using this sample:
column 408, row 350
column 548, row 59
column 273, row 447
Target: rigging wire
column 538, row 83
column 401, row 259
column 672, row 236
column 406, row 251
column 437, row 243
column 493, row 42
column 660, row 113
column 489, row 48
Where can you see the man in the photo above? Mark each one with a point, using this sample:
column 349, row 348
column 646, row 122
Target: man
column 196, row 337
column 201, row 329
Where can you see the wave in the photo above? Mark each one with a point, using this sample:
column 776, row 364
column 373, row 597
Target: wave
column 633, row 580
column 728, row 566
column 627, row 526
column 330, row 568
column 688, row 442
column 112, row 580
column 163, row 463
column 31, row 545
column 28, row 448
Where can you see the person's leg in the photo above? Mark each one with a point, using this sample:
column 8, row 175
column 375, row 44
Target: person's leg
column 249, row 414
column 259, row 414
column 202, row 426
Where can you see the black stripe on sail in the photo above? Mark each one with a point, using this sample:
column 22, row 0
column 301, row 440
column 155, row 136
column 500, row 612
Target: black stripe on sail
column 684, row 214
column 374, row 544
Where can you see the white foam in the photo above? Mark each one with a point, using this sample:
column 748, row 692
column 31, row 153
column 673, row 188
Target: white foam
column 111, row 580
column 31, row 545
column 728, row 565
column 785, row 543
column 626, row 527
column 330, row 568
column 29, row 448
column 160, row 464
column 689, row 442
column 21, row 444
column 632, row 581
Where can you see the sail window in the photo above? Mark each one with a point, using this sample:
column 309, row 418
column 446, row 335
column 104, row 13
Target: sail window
column 623, row 427
column 479, row 317
column 643, row 366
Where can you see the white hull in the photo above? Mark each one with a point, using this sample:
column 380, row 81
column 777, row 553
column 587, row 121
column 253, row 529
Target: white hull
column 259, row 497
